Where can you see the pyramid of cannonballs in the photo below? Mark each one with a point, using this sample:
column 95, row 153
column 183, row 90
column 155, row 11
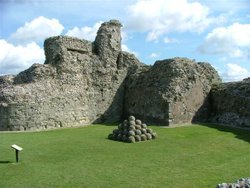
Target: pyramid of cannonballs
column 132, row 130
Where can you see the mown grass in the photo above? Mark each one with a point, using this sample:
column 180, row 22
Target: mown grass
column 192, row 156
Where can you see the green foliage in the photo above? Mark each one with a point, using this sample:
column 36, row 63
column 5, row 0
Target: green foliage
column 192, row 156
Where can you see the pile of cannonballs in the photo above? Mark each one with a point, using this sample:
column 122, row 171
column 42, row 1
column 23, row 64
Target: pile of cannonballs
column 241, row 183
column 132, row 130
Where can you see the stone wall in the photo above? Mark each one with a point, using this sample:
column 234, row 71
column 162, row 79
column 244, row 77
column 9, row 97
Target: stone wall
column 172, row 91
column 83, row 83
column 231, row 103
column 80, row 83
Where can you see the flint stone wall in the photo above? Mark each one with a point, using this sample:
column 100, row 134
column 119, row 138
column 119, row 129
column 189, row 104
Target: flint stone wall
column 172, row 91
column 80, row 83
column 83, row 83
column 231, row 103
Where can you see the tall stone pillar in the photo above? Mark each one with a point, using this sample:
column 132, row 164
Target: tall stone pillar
column 108, row 42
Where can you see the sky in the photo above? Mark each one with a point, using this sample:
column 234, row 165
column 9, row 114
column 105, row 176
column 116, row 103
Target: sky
column 214, row 31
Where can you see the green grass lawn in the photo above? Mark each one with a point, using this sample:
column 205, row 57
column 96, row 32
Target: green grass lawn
column 191, row 156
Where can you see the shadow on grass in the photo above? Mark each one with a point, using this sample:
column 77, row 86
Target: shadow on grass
column 243, row 134
column 116, row 141
column 109, row 124
column 5, row 162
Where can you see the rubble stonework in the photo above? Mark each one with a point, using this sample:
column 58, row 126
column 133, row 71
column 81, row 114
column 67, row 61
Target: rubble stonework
column 231, row 103
column 80, row 83
column 84, row 82
column 172, row 91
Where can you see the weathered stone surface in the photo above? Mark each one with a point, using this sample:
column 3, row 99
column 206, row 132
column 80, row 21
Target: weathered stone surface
column 172, row 91
column 231, row 103
column 108, row 42
column 83, row 83
column 80, row 83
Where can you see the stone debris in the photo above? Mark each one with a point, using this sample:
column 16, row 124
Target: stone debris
column 132, row 130
column 241, row 183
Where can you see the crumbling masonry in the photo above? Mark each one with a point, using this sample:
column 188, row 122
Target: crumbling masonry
column 82, row 83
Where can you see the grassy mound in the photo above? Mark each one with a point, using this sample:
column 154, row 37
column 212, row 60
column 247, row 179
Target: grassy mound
column 192, row 156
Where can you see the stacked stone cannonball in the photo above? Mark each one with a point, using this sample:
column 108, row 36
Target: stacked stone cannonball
column 132, row 130
column 241, row 183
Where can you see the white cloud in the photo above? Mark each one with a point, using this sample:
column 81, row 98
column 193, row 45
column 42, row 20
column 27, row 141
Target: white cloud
column 124, row 35
column 163, row 16
column 127, row 49
column 233, row 41
column 14, row 59
column 227, row 5
column 88, row 33
column 170, row 40
column 154, row 55
column 37, row 30
column 234, row 72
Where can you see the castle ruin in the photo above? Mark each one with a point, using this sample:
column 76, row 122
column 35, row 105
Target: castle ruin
column 83, row 83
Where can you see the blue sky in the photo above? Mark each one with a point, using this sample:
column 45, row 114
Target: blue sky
column 214, row 31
